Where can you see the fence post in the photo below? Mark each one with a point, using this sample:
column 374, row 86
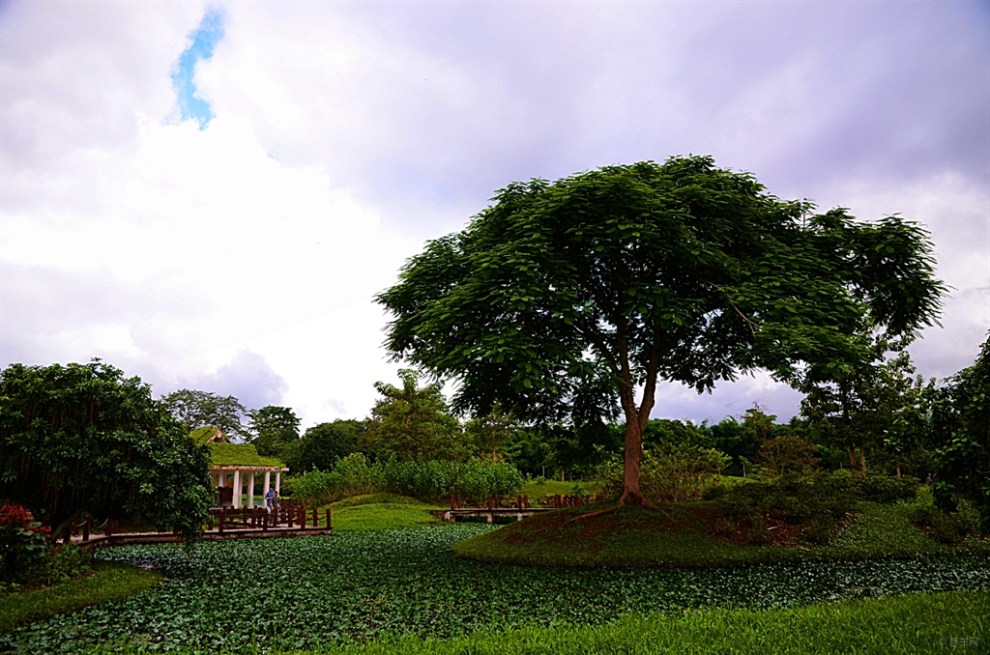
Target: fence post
column 223, row 516
column 329, row 519
column 86, row 526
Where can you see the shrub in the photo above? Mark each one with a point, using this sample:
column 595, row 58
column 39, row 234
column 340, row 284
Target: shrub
column 23, row 546
column 786, row 454
column 436, row 480
column 946, row 527
column 886, row 489
column 816, row 502
column 68, row 561
column 670, row 472
column 314, row 487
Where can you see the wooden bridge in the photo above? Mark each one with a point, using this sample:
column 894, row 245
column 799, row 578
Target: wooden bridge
column 286, row 520
column 494, row 508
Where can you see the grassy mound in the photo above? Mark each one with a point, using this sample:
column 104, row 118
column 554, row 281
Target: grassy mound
column 692, row 534
column 381, row 511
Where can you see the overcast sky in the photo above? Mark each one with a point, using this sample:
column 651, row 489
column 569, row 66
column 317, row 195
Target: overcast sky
column 208, row 195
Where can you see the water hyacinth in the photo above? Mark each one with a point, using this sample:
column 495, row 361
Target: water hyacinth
column 281, row 594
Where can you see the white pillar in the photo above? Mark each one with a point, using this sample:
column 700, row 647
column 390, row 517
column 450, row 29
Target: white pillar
column 268, row 480
column 278, row 482
column 237, row 488
column 251, row 490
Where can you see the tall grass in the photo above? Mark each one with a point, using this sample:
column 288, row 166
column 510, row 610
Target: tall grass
column 957, row 622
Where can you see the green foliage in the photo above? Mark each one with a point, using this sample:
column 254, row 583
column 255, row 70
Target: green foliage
column 961, row 423
column 322, row 445
column 381, row 512
column 787, row 455
column 318, row 592
column 915, row 624
column 433, row 480
column 198, row 409
column 561, row 298
column 413, row 423
column 23, row 546
column 492, row 433
column 947, row 527
column 671, row 471
column 273, row 428
column 82, row 437
column 108, row 582
column 439, row 480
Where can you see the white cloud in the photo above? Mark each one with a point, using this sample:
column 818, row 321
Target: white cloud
column 245, row 255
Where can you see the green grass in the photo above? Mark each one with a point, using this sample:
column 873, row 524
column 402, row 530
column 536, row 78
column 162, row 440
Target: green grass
column 919, row 623
column 381, row 512
column 109, row 582
column 676, row 535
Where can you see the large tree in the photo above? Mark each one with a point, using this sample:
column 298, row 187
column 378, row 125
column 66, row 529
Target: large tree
column 961, row 426
column 413, row 423
column 197, row 409
column 587, row 291
column 322, row 445
column 273, row 428
column 83, row 438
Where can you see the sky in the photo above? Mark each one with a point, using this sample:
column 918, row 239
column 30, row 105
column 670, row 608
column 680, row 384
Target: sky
column 209, row 195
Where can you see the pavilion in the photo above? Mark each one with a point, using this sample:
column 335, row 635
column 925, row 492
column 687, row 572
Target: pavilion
column 234, row 466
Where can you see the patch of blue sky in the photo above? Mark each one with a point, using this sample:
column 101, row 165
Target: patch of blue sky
column 206, row 36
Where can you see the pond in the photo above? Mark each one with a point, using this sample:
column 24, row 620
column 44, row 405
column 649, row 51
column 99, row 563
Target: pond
column 280, row 594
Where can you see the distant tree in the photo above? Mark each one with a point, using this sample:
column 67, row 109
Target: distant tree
column 414, row 423
column 197, row 409
column 787, row 454
column 272, row 429
column 322, row 445
column 492, row 433
column 961, row 424
column 588, row 290
column 904, row 411
column 83, row 438
column 874, row 406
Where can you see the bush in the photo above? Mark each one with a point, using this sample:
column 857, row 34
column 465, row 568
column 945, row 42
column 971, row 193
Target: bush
column 670, row 472
column 885, row 489
column 816, row 502
column 314, row 487
column 947, row 527
column 68, row 561
column 23, row 546
column 438, row 480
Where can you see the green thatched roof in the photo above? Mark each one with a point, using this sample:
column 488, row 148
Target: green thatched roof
column 239, row 454
column 201, row 436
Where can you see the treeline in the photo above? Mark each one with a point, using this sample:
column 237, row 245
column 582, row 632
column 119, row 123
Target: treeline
column 435, row 480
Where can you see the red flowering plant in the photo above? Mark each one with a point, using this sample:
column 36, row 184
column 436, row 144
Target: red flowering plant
column 23, row 545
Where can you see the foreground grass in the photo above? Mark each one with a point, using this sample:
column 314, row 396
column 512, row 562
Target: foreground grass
column 109, row 582
column 917, row 623
column 381, row 512
column 676, row 535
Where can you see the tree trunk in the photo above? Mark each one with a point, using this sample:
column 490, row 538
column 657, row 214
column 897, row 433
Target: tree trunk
column 631, row 464
column 853, row 464
column 898, row 466
column 862, row 460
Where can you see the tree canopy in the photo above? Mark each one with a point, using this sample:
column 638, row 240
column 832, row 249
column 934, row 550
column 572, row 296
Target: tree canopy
column 413, row 423
column 961, row 421
column 83, row 438
column 197, row 409
column 273, row 429
column 572, row 298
